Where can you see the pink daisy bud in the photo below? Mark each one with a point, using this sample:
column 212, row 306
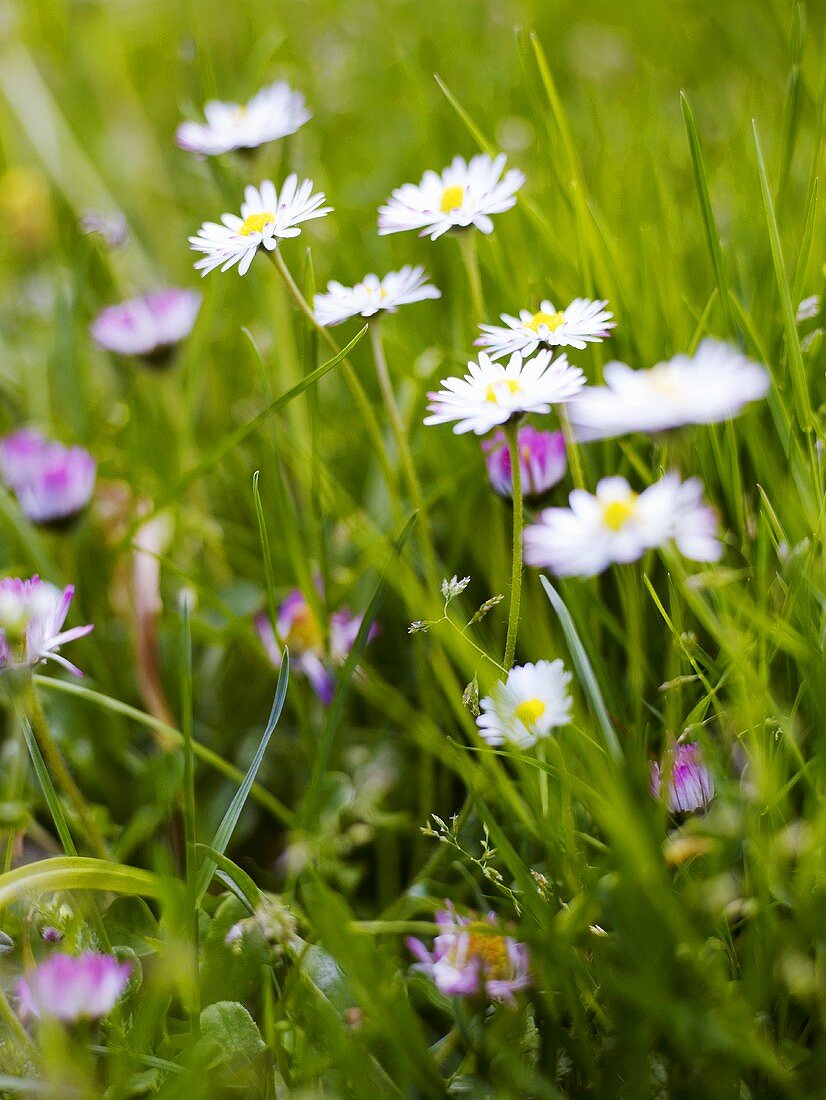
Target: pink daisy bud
column 70, row 989
column 689, row 784
column 542, row 461
column 149, row 327
column 52, row 483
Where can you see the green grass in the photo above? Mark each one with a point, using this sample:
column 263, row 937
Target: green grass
column 672, row 153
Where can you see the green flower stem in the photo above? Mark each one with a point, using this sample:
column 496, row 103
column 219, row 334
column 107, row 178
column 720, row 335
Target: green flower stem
column 571, row 449
column 356, row 388
column 512, row 436
column 19, row 1035
column 467, row 246
column 406, row 458
column 62, row 776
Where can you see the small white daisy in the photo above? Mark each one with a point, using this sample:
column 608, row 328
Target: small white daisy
column 266, row 217
column 618, row 525
column 271, row 114
column 490, row 394
column 528, row 706
column 582, row 322
column 713, row 385
column 372, row 295
column 463, row 194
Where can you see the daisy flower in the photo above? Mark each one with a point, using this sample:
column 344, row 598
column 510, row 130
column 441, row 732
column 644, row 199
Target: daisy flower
column 464, row 194
column 271, row 114
column 32, row 614
column 52, row 483
column 618, row 525
column 298, row 629
column 582, row 322
column 70, row 989
column 266, row 217
column 714, row 384
column 469, row 958
column 373, row 295
column 490, row 394
column 689, row 785
column 542, row 461
column 149, row 327
column 527, row 706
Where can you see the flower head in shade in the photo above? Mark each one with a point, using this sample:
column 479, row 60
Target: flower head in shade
column 373, row 295
column 267, row 216
column 714, row 384
column 298, row 629
column 70, row 989
column 689, row 785
column 272, row 113
column 464, row 194
column 582, row 322
column 526, row 707
column 542, row 461
column 470, row 958
column 490, row 393
column 618, row 525
column 52, row 483
column 149, row 327
column 32, row 614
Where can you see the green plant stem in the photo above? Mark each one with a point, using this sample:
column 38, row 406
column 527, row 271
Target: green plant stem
column 356, row 388
column 405, row 457
column 20, row 1037
column 190, row 832
column 512, row 436
column 62, row 776
column 467, row 246
column 571, row 449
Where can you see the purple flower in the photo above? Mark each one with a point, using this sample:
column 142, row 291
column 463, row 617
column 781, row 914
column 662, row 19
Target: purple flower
column 53, row 483
column 469, row 959
column 70, row 989
column 149, row 327
column 690, row 786
column 298, row 629
column 542, row 461
column 32, row 614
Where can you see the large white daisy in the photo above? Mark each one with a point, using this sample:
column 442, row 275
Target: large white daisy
column 582, row 322
column 528, row 706
column 712, row 385
column 373, row 295
column 618, row 525
column 266, row 217
column 271, row 114
column 464, row 194
column 490, row 393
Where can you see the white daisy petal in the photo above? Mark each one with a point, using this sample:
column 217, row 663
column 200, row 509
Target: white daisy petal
column 272, row 113
column 373, row 295
column 582, row 322
column 528, row 706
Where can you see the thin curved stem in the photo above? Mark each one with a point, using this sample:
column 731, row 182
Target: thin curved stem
column 356, row 388
column 512, row 436
column 467, row 246
column 60, row 773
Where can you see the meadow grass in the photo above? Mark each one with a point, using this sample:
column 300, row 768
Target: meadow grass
column 672, row 154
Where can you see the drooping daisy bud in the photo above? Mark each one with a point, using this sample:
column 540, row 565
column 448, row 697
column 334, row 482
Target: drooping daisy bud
column 542, row 461
column 70, row 989
column 471, row 958
column 150, row 327
column 689, row 783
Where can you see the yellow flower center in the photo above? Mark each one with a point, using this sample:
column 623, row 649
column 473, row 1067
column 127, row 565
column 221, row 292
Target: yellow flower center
column 492, row 953
column 662, row 380
column 304, row 633
column 618, row 512
column 551, row 320
column 452, row 198
column 254, row 223
column 493, row 390
column 530, row 711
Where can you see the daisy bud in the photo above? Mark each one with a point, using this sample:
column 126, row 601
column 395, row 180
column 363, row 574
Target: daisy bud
column 71, row 989
column 542, row 461
column 149, row 327
column 689, row 784
column 52, row 483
